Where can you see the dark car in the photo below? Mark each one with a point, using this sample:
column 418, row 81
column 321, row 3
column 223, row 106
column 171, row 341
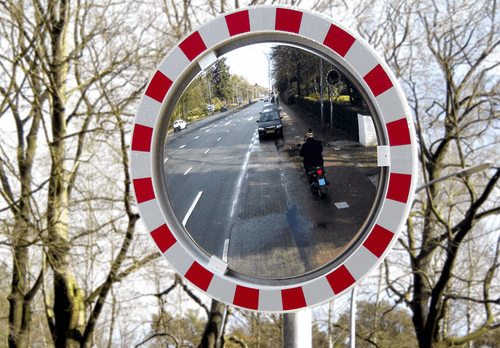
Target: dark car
column 270, row 124
column 270, row 107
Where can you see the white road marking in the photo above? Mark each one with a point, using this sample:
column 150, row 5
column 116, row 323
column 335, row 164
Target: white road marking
column 183, row 146
column 225, row 251
column 228, row 123
column 188, row 170
column 197, row 137
column 190, row 211
column 238, row 187
column 208, row 130
column 341, row 205
column 207, row 151
column 219, row 139
column 166, row 159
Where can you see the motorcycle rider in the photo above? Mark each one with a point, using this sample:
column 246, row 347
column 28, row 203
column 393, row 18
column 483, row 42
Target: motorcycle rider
column 312, row 152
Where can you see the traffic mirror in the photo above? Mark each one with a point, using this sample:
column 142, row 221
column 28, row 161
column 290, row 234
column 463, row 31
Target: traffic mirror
column 232, row 220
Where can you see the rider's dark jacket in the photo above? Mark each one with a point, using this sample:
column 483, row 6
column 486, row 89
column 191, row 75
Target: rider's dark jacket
column 311, row 151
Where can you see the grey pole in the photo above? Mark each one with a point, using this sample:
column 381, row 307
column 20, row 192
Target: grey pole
column 353, row 316
column 297, row 329
column 321, row 91
column 460, row 174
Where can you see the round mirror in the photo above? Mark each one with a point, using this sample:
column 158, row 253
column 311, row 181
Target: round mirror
column 222, row 187
column 235, row 161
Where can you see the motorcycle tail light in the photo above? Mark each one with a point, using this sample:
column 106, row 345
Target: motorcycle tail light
column 320, row 172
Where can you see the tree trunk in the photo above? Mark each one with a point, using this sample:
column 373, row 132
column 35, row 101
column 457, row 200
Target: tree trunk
column 214, row 325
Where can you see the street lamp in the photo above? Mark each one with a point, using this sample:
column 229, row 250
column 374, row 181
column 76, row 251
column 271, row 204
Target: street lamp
column 268, row 73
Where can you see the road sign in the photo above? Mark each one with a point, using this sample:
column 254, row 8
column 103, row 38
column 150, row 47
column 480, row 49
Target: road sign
column 396, row 156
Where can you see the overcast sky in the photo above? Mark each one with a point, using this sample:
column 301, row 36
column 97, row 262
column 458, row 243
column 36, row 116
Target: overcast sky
column 251, row 63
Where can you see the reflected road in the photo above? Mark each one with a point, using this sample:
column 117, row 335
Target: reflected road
column 247, row 200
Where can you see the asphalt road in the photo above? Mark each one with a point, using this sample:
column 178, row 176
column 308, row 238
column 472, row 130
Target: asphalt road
column 203, row 166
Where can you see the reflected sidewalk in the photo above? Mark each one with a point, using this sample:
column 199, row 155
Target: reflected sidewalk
column 282, row 229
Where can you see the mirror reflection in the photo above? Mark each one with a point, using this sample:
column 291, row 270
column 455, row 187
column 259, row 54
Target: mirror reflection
column 258, row 174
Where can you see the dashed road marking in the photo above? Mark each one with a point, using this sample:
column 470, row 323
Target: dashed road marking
column 190, row 211
column 341, row 205
column 226, row 250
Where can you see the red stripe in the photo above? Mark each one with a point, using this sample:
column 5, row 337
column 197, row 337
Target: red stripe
column 158, row 87
column 163, row 238
column 399, row 187
column 399, row 132
column 246, row 297
column 378, row 81
column 378, row 240
column 144, row 190
column 199, row 276
column 340, row 279
column 141, row 139
column 288, row 20
column 238, row 23
column 339, row 40
column 293, row 298
column 192, row 46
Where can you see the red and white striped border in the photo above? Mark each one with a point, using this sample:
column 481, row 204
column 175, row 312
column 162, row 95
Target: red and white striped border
column 355, row 56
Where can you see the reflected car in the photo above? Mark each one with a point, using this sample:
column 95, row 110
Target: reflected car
column 270, row 107
column 179, row 125
column 270, row 124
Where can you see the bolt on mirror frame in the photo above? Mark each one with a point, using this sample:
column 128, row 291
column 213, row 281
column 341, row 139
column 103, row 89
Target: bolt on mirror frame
column 396, row 155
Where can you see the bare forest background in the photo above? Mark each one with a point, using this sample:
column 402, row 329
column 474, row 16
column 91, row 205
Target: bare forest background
column 79, row 270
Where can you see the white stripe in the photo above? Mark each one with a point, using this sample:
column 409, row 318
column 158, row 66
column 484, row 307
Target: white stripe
column 226, row 250
column 190, row 211
column 188, row 170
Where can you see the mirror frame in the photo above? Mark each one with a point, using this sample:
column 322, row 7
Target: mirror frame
column 397, row 156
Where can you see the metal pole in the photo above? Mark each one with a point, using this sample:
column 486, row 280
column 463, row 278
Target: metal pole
column 297, row 329
column 460, row 174
column 210, row 91
column 321, row 91
column 331, row 109
column 353, row 316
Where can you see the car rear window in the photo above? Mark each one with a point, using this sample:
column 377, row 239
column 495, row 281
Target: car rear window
column 269, row 116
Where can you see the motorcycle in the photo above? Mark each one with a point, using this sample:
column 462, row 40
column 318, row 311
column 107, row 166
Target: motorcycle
column 318, row 181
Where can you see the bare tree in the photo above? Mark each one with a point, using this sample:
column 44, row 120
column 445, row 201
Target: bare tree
column 69, row 74
column 446, row 55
